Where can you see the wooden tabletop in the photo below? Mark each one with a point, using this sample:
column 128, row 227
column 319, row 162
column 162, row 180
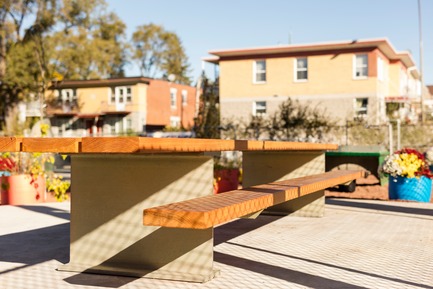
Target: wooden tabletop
column 144, row 144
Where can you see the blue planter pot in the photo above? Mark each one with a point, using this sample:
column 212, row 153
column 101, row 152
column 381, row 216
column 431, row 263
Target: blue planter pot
column 411, row 189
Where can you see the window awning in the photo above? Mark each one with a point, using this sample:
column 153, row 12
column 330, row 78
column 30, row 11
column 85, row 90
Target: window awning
column 89, row 115
column 123, row 112
column 64, row 114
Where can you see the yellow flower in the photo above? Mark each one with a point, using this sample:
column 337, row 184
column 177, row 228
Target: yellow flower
column 410, row 164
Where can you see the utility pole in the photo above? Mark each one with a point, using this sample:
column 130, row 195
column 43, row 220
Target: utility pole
column 421, row 61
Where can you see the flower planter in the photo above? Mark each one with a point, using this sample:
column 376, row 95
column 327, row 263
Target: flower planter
column 411, row 189
column 21, row 190
column 226, row 180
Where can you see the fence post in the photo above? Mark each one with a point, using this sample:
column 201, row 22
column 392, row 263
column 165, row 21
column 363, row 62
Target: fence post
column 390, row 138
column 398, row 135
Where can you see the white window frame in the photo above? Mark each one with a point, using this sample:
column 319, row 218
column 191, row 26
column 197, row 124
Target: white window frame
column 302, row 69
column 122, row 94
column 128, row 94
column 257, row 72
column 361, row 67
column 259, row 109
column 174, row 121
column 360, row 111
column 184, row 97
column 111, row 96
column 173, row 98
column 64, row 95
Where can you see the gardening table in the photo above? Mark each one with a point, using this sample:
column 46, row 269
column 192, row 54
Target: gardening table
column 368, row 157
column 115, row 178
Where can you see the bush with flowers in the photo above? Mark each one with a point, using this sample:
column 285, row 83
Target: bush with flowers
column 35, row 165
column 407, row 162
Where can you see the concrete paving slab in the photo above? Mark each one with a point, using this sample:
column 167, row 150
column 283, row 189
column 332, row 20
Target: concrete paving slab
column 358, row 244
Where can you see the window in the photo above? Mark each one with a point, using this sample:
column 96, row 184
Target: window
column 174, row 121
column 301, row 69
column 68, row 95
column 184, row 97
column 173, row 98
column 121, row 94
column 361, row 105
column 259, row 108
column 361, row 66
column 260, row 71
column 113, row 96
column 67, row 99
column 128, row 95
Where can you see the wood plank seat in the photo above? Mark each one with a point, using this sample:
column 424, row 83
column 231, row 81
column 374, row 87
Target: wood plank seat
column 134, row 145
column 213, row 210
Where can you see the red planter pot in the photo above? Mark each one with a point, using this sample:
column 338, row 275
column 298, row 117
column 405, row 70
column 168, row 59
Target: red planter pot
column 22, row 190
column 226, row 180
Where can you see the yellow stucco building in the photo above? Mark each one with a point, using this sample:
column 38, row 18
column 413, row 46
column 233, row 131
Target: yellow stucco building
column 350, row 79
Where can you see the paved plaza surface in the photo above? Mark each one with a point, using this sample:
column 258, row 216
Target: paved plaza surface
column 358, row 244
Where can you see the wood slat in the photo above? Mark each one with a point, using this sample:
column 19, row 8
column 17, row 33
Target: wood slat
column 284, row 145
column 249, row 145
column 209, row 211
column 54, row 145
column 314, row 183
column 10, row 144
column 110, row 144
column 143, row 144
column 186, row 144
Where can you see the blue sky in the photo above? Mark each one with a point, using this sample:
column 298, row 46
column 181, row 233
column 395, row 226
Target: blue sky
column 205, row 25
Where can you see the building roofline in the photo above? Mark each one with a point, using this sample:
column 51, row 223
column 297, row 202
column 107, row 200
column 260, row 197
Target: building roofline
column 382, row 44
column 100, row 82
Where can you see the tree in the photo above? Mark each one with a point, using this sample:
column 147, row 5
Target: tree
column 43, row 39
column 92, row 51
column 159, row 52
column 21, row 67
column 175, row 60
column 207, row 122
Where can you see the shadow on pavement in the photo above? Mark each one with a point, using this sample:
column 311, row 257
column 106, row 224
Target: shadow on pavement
column 381, row 207
column 98, row 280
column 300, row 277
column 239, row 227
column 59, row 213
column 36, row 246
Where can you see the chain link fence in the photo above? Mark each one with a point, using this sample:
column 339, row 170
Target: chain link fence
column 392, row 136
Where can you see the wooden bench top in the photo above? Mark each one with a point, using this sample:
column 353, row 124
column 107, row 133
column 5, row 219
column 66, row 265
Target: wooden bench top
column 144, row 144
column 210, row 211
